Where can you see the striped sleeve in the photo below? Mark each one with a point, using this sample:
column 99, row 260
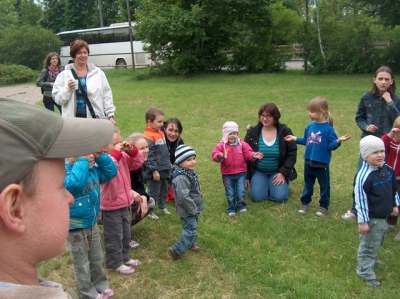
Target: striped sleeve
column 360, row 196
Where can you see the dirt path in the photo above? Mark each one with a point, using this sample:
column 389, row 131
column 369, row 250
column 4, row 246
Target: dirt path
column 28, row 93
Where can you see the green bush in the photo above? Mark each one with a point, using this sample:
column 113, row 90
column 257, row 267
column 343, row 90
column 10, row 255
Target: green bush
column 13, row 73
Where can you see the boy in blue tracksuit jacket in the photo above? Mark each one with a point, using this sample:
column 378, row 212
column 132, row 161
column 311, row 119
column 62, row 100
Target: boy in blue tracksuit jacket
column 376, row 198
column 83, row 178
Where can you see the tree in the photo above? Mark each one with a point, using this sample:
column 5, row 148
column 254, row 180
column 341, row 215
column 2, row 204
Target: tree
column 29, row 12
column 387, row 10
column 8, row 15
column 53, row 15
column 196, row 36
column 27, row 45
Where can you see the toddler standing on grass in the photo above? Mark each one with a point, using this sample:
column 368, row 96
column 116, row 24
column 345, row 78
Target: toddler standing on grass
column 158, row 162
column 392, row 147
column 83, row 178
column 188, row 199
column 320, row 140
column 376, row 198
column 116, row 198
column 233, row 153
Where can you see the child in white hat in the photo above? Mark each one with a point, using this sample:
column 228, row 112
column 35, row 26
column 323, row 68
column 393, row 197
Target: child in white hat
column 376, row 198
column 232, row 153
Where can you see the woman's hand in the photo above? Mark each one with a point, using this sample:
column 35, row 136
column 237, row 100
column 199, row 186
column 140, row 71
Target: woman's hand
column 71, row 84
column 156, row 175
column 279, row 179
column 247, row 184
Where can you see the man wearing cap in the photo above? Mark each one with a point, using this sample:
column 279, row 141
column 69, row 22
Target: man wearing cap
column 34, row 205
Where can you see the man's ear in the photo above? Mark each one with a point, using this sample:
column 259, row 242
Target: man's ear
column 12, row 208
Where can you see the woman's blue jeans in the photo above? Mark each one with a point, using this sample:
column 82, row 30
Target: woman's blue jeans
column 262, row 187
column 235, row 191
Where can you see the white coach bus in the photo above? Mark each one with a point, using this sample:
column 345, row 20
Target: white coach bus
column 109, row 46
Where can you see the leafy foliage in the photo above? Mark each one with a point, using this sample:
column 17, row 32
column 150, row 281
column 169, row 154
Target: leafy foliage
column 15, row 74
column 27, row 45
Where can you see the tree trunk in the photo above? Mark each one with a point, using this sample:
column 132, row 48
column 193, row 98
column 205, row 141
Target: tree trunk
column 321, row 47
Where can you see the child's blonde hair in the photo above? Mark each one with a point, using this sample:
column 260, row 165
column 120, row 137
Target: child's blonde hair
column 320, row 105
column 135, row 137
column 396, row 123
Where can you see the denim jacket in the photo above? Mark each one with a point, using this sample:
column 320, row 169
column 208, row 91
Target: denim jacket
column 372, row 109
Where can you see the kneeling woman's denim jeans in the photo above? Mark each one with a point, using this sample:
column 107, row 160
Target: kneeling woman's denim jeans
column 189, row 234
column 262, row 187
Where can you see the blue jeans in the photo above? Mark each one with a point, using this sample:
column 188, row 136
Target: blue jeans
column 189, row 234
column 87, row 255
column 322, row 175
column 235, row 191
column 262, row 187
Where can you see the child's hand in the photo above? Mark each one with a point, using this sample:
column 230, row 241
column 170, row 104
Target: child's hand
column 156, row 175
column 371, row 128
column 258, row 155
column 119, row 147
column 395, row 211
column 98, row 154
column 344, row 138
column 220, row 155
column 290, row 138
column 363, row 228
column 126, row 146
column 386, row 97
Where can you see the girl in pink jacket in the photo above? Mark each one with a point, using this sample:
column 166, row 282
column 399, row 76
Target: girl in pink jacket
column 116, row 199
column 233, row 153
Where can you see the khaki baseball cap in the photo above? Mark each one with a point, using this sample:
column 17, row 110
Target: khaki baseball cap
column 29, row 133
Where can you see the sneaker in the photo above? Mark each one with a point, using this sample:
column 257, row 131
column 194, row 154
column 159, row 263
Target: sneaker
column 373, row 282
column 390, row 228
column 348, row 215
column 303, row 209
column 321, row 212
column 175, row 256
column 152, row 216
column 243, row 211
column 166, row 212
column 231, row 214
column 133, row 244
column 397, row 238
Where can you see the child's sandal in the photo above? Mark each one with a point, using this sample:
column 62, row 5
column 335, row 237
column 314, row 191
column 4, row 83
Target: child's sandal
column 125, row 270
column 133, row 263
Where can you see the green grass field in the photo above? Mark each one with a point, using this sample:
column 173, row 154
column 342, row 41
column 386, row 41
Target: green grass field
column 272, row 251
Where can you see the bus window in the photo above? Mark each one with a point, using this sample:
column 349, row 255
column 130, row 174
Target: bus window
column 121, row 35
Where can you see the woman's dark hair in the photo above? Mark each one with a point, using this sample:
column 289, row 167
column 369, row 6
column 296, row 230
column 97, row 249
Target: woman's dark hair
column 46, row 61
column 392, row 87
column 76, row 46
column 272, row 110
column 176, row 122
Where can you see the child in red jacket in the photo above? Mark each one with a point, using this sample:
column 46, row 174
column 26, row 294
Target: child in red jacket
column 233, row 153
column 392, row 148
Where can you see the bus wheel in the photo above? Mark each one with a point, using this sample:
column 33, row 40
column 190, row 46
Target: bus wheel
column 121, row 63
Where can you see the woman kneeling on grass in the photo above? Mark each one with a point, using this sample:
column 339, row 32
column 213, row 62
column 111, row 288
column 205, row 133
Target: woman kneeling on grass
column 269, row 177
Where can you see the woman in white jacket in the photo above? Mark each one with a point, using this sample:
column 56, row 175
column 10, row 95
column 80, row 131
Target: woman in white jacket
column 67, row 93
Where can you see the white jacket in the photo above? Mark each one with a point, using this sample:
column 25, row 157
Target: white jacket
column 98, row 91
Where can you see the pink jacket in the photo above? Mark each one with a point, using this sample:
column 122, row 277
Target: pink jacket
column 118, row 193
column 236, row 157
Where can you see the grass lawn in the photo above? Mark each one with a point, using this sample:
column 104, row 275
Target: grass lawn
column 272, row 251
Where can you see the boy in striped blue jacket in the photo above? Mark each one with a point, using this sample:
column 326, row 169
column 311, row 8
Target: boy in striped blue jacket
column 376, row 198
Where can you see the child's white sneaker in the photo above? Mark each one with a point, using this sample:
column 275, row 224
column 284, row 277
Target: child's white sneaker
column 152, row 216
column 166, row 212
